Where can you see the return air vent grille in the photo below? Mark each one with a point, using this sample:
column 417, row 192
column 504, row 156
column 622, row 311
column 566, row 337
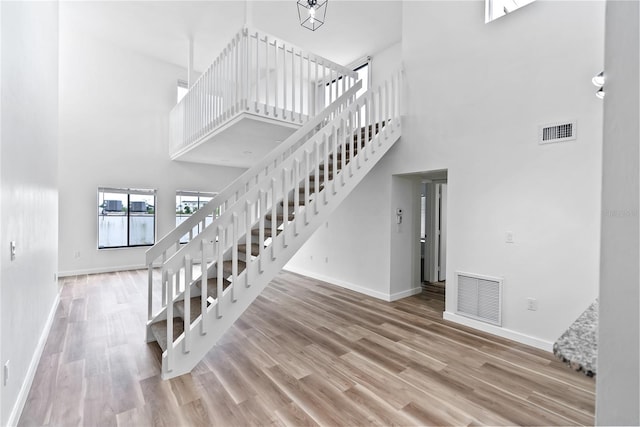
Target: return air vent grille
column 480, row 298
column 557, row 132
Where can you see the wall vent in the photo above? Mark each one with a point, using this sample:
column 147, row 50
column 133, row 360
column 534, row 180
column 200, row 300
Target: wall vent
column 480, row 297
column 557, row 132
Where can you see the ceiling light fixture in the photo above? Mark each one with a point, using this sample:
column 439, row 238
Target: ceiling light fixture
column 312, row 13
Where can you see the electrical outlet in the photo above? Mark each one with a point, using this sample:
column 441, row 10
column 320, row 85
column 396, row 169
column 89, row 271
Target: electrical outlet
column 532, row 304
column 509, row 237
column 76, row 254
column 12, row 246
column 5, row 373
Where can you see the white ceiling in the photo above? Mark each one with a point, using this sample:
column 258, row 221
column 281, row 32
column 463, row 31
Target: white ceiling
column 161, row 29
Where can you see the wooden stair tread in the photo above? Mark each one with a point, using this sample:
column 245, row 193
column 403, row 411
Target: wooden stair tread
column 312, row 187
column 212, row 287
column 159, row 331
column 227, row 267
column 214, row 281
column 267, row 230
column 196, row 308
column 301, row 202
column 279, row 217
column 255, row 248
column 312, row 177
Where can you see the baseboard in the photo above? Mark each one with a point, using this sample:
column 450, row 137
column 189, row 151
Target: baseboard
column 501, row 332
column 369, row 292
column 16, row 412
column 404, row 294
column 100, row 270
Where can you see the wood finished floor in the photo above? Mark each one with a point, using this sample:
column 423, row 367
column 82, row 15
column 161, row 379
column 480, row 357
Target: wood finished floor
column 304, row 353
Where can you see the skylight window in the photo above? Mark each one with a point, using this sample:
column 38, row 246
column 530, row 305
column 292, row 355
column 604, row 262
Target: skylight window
column 495, row 9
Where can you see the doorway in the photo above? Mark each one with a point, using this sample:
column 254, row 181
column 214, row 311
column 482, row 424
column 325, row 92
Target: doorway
column 418, row 239
column 433, row 236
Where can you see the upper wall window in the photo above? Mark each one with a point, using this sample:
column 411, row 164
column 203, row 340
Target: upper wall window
column 126, row 217
column 183, row 88
column 363, row 74
column 494, row 9
column 188, row 203
column 333, row 89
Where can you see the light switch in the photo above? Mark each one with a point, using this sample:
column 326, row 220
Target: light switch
column 509, row 237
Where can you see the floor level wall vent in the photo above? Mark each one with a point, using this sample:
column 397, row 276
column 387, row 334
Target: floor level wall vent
column 480, row 297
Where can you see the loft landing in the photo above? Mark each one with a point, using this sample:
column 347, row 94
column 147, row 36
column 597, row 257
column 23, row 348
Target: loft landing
column 255, row 94
column 242, row 142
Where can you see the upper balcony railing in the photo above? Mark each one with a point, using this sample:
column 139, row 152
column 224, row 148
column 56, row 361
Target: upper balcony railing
column 259, row 74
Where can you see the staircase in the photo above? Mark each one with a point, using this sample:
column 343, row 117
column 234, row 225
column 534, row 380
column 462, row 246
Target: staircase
column 197, row 290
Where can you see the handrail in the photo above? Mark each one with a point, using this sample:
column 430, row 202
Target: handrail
column 277, row 214
column 251, row 175
column 391, row 109
column 259, row 74
column 250, row 30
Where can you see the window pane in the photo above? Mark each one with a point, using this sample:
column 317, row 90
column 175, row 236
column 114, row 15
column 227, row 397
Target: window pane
column 186, row 205
column 334, row 89
column 203, row 201
column 112, row 220
column 141, row 219
column 363, row 74
column 182, row 90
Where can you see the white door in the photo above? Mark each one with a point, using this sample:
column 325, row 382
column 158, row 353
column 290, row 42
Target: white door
column 428, row 233
column 442, row 232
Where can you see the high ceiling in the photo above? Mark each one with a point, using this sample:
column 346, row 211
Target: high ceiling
column 161, row 29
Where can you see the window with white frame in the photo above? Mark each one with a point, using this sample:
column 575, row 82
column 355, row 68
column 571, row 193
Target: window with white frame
column 126, row 217
column 188, row 203
column 333, row 89
column 183, row 88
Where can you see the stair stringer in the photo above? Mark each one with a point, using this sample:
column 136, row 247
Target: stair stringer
column 274, row 259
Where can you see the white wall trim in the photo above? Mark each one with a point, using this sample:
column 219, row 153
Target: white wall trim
column 375, row 294
column 16, row 412
column 404, row 294
column 101, row 270
column 501, row 332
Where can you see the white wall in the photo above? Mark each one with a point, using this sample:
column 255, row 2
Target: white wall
column 371, row 27
column 476, row 94
column 28, row 177
column 332, row 253
column 114, row 110
column 385, row 62
column 405, row 237
column 618, row 379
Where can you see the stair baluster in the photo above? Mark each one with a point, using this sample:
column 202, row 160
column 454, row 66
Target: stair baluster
column 353, row 137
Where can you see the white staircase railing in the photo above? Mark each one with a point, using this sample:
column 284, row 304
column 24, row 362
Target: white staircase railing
column 174, row 240
column 259, row 74
column 210, row 281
